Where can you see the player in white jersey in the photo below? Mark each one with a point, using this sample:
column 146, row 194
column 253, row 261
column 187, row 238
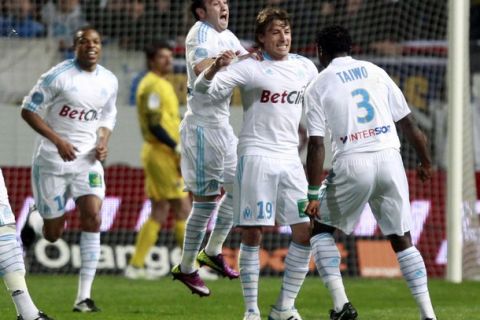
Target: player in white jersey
column 72, row 107
column 359, row 104
column 208, row 159
column 270, row 184
column 12, row 267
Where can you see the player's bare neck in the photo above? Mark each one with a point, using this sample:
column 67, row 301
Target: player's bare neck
column 159, row 73
column 87, row 66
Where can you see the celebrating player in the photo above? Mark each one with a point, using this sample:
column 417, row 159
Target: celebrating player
column 157, row 107
column 72, row 107
column 270, row 183
column 12, row 267
column 358, row 103
column 209, row 145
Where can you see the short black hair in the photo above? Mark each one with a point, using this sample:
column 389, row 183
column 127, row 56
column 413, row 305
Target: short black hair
column 334, row 40
column 195, row 5
column 152, row 49
column 267, row 16
column 80, row 31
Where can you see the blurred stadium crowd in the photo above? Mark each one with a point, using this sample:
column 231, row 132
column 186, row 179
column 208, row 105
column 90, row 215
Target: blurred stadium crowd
column 133, row 23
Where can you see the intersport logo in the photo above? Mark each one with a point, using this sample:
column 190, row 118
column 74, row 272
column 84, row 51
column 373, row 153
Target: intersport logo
column 80, row 115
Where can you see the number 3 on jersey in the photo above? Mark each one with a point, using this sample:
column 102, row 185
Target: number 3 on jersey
column 364, row 104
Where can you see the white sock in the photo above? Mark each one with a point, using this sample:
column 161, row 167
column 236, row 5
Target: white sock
column 90, row 254
column 12, row 268
column 296, row 268
column 327, row 259
column 222, row 227
column 17, row 288
column 194, row 233
column 415, row 273
column 249, row 264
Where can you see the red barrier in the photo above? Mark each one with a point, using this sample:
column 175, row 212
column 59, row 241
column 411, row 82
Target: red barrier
column 126, row 183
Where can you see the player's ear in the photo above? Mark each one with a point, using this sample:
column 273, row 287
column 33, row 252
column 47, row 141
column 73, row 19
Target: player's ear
column 261, row 39
column 201, row 13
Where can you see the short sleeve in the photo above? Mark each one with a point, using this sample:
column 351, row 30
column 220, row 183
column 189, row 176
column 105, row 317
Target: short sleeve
column 235, row 75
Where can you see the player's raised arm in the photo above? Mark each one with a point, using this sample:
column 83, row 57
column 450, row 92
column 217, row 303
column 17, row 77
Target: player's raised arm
column 203, row 81
column 202, row 65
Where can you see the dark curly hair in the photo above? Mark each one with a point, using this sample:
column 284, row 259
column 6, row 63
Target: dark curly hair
column 334, row 39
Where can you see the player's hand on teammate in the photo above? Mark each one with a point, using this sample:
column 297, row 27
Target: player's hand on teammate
column 101, row 151
column 312, row 208
column 424, row 171
column 66, row 150
column 255, row 54
column 224, row 59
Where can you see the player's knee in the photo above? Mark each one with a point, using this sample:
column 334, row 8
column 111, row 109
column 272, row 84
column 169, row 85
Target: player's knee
column 91, row 222
column 301, row 234
column 400, row 243
column 251, row 236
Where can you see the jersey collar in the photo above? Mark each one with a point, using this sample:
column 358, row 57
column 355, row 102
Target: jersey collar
column 266, row 56
column 95, row 72
column 342, row 60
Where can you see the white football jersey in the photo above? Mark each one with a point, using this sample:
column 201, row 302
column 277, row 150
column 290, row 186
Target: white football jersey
column 74, row 103
column 272, row 94
column 358, row 103
column 203, row 42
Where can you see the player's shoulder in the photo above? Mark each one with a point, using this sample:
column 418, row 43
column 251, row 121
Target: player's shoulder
column 302, row 60
column 228, row 34
column 57, row 72
column 107, row 73
column 201, row 32
column 369, row 65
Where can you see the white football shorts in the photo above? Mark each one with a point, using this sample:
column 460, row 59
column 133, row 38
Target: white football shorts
column 376, row 178
column 51, row 189
column 209, row 159
column 6, row 213
column 268, row 190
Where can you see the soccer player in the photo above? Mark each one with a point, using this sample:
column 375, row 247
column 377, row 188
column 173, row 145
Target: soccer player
column 359, row 104
column 270, row 183
column 209, row 144
column 72, row 107
column 158, row 113
column 12, row 267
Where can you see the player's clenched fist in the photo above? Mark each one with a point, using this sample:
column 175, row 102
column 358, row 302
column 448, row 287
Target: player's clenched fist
column 224, row 59
column 312, row 208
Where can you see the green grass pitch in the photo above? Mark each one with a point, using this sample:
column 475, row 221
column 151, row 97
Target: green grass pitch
column 123, row 299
